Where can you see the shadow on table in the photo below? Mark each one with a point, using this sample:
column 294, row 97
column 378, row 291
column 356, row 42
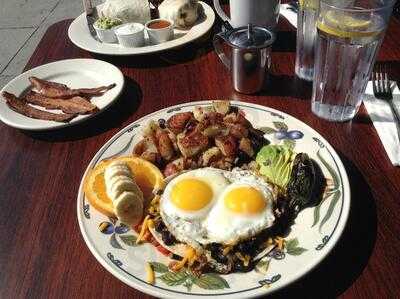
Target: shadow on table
column 180, row 55
column 112, row 117
column 346, row 262
column 285, row 42
column 286, row 86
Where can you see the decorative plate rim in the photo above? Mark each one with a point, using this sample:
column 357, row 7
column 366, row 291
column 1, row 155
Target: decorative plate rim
column 155, row 290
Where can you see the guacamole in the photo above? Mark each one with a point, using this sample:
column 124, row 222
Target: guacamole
column 107, row 23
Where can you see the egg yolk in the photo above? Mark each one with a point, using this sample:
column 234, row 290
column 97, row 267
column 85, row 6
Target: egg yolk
column 245, row 200
column 191, row 194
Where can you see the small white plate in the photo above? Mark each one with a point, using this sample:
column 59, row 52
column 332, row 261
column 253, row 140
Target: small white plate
column 76, row 73
column 78, row 33
column 315, row 231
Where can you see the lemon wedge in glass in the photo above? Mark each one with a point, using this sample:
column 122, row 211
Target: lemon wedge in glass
column 345, row 26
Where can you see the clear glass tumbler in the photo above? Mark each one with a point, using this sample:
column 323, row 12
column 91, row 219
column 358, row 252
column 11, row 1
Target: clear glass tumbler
column 349, row 35
column 306, row 32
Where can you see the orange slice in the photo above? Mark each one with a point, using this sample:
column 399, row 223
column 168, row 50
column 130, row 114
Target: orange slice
column 147, row 176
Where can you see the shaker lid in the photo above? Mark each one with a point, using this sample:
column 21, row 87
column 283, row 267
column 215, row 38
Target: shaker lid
column 251, row 37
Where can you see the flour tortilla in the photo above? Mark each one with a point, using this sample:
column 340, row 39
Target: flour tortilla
column 135, row 11
column 178, row 249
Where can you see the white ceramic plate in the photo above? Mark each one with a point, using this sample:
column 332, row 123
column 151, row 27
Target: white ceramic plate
column 76, row 73
column 310, row 240
column 79, row 34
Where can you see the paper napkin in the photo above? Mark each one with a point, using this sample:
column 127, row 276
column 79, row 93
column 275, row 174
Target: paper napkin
column 384, row 121
column 290, row 15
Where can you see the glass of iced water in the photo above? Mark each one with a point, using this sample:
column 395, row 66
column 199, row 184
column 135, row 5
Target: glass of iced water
column 349, row 35
column 306, row 32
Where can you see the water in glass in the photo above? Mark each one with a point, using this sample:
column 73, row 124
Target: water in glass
column 346, row 47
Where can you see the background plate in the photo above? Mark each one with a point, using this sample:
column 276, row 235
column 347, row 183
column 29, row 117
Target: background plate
column 76, row 73
column 79, row 34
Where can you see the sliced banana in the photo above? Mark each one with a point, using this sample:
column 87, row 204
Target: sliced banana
column 117, row 169
column 126, row 196
column 129, row 208
column 120, row 184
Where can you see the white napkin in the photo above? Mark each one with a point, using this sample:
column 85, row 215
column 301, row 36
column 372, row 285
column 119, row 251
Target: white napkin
column 290, row 15
column 381, row 115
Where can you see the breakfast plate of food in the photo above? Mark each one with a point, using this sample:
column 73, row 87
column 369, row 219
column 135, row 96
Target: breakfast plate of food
column 126, row 27
column 60, row 94
column 213, row 198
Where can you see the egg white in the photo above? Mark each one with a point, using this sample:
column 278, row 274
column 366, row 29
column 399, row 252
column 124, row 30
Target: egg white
column 214, row 223
column 227, row 227
column 187, row 226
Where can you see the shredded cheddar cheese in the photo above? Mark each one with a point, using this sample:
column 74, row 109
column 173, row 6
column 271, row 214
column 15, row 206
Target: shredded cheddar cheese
column 280, row 242
column 226, row 250
column 245, row 259
column 150, row 273
column 155, row 200
column 143, row 230
column 189, row 258
column 150, row 223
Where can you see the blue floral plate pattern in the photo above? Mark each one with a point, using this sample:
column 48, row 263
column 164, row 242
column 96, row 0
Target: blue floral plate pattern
column 313, row 235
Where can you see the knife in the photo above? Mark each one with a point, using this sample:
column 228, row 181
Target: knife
column 91, row 17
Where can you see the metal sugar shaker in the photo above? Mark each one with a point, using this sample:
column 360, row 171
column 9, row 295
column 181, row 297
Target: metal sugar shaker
column 250, row 52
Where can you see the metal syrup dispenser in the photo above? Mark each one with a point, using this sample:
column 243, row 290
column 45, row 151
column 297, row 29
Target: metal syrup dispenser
column 250, row 55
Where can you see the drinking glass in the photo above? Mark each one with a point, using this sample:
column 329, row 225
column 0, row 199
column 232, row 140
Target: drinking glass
column 349, row 35
column 306, row 32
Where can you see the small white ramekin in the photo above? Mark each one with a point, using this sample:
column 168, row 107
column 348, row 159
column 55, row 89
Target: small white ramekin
column 106, row 35
column 133, row 39
column 160, row 35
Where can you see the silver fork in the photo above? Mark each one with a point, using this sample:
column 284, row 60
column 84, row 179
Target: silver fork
column 383, row 90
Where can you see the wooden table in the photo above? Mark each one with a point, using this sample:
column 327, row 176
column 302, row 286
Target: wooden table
column 42, row 253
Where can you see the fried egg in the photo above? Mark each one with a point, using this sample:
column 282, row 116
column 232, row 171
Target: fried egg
column 244, row 209
column 211, row 205
column 187, row 200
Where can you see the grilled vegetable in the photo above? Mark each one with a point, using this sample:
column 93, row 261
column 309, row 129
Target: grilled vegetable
column 295, row 174
column 301, row 184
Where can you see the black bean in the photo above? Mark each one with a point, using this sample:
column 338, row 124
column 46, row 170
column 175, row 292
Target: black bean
column 233, row 109
column 246, row 247
column 159, row 226
column 240, row 267
column 242, row 158
column 176, row 257
column 214, row 246
column 162, row 123
column 219, row 256
column 167, row 237
column 217, row 253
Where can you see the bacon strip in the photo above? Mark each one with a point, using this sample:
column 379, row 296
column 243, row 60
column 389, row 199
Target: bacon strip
column 22, row 107
column 75, row 105
column 61, row 91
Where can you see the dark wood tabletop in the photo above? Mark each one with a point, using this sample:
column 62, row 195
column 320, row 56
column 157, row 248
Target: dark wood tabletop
column 42, row 252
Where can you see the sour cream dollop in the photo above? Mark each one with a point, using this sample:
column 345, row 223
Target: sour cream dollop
column 129, row 28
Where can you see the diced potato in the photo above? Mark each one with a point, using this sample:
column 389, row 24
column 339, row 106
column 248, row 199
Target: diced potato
column 200, row 112
column 150, row 128
column 221, row 106
column 210, row 155
column 227, row 145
